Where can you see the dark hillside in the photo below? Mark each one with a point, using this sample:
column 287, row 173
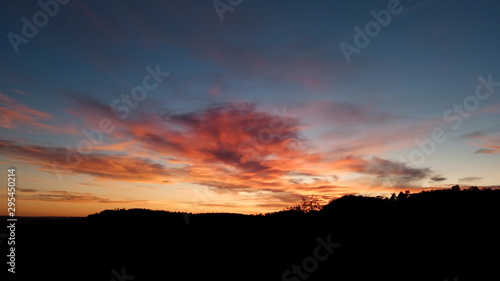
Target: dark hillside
column 433, row 235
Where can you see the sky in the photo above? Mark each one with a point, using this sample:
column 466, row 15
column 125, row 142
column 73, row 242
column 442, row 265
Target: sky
column 244, row 106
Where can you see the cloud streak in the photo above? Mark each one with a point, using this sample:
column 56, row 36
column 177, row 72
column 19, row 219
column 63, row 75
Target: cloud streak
column 67, row 196
column 488, row 139
column 14, row 115
column 63, row 160
column 470, row 179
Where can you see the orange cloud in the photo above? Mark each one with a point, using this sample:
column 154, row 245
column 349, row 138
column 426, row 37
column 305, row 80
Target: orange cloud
column 13, row 115
column 102, row 166
column 234, row 147
column 230, row 147
column 67, row 196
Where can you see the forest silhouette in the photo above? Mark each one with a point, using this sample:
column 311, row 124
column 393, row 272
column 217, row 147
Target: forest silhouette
column 448, row 234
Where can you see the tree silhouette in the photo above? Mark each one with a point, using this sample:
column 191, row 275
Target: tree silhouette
column 373, row 232
column 473, row 188
column 401, row 196
column 393, row 197
column 306, row 205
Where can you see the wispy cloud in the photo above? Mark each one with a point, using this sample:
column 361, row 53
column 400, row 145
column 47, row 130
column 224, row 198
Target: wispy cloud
column 488, row 139
column 102, row 166
column 393, row 173
column 14, row 115
column 70, row 196
column 485, row 151
column 438, row 178
column 21, row 92
column 470, row 179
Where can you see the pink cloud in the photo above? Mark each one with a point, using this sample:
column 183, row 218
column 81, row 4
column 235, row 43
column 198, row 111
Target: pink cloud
column 14, row 115
column 230, row 147
column 248, row 148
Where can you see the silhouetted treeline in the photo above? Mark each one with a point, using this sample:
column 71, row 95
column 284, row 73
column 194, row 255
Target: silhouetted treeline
column 434, row 235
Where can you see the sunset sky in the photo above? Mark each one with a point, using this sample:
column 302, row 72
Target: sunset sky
column 244, row 106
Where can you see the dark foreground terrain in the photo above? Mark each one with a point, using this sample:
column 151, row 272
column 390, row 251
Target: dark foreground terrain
column 438, row 235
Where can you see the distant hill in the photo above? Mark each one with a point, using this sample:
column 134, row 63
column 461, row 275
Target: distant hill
column 435, row 235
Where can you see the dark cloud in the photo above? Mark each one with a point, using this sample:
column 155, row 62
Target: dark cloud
column 485, row 151
column 26, row 190
column 396, row 173
column 346, row 113
column 67, row 196
column 224, row 186
column 225, row 205
column 438, row 178
column 470, row 179
column 235, row 134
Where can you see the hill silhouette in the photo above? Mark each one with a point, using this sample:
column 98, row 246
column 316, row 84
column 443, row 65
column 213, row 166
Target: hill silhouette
column 437, row 235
